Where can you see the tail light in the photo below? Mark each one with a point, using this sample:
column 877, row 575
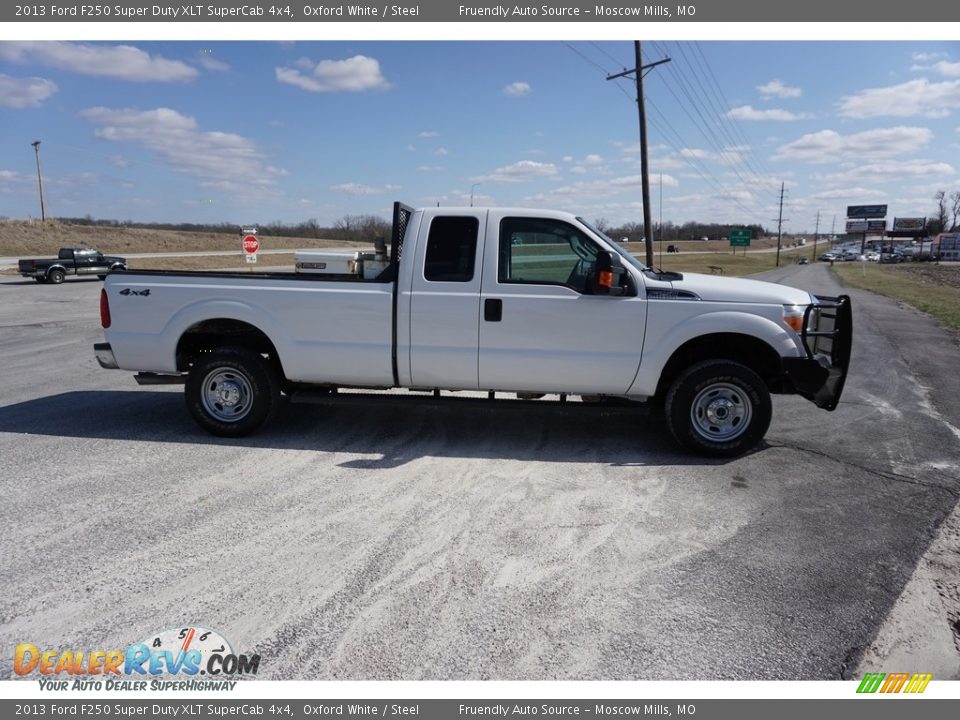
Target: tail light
column 104, row 309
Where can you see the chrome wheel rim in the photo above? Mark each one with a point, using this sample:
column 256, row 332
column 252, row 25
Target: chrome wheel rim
column 721, row 412
column 227, row 395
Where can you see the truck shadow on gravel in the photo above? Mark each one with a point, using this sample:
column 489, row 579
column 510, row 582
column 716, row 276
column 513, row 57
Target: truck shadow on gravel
column 390, row 436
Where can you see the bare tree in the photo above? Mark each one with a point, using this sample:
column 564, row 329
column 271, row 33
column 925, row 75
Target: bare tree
column 955, row 209
column 938, row 223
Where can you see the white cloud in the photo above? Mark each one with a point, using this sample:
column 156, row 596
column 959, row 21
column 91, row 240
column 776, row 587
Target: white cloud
column 118, row 161
column 948, row 69
column 886, row 171
column 211, row 63
column 843, row 193
column 523, row 171
column 123, row 62
column 428, row 134
column 927, row 57
column 19, row 93
column 11, row 180
column 441, row 152
column 915, row 97
column 430, row 168
column 361, row 189
column 221, row 160
column 517, row 89
column 354, row 74
column 776, row 88
column 598, row 189
column 592, row 159
column 747, row 112
column 828, row 146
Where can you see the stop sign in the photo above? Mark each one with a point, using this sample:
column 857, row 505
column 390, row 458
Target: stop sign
column 250, row 244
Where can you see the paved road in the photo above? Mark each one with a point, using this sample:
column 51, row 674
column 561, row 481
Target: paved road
column 421, row 544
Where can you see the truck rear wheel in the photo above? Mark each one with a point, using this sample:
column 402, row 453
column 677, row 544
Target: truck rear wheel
column 56, row 276
column 718, row 408
column 232, row 392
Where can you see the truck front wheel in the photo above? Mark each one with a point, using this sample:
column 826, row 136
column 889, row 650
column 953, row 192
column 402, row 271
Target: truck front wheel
column 232, row 392
column 718, row 408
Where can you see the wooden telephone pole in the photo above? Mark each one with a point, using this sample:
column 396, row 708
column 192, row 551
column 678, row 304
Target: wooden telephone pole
column 639, row 71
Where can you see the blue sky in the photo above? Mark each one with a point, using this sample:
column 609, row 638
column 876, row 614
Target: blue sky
column 247, row 132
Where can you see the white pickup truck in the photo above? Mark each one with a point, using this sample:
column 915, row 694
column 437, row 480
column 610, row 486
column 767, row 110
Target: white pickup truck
column 529, row 303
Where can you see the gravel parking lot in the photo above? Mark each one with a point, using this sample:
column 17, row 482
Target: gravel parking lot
column 372, row 543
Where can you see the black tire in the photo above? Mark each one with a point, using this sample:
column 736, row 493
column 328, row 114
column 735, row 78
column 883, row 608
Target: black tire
column 718, row 408
column 232, row 392
column 56, row 276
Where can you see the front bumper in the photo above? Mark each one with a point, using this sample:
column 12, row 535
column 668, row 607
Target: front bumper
column 827, row 338
column 105, row 356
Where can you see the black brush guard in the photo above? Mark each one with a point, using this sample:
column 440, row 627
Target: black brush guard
column 827, row 337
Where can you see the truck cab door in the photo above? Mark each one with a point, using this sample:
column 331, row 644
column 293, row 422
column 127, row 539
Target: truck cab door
column 85, row 262
column 445, row 300
column 543, row 328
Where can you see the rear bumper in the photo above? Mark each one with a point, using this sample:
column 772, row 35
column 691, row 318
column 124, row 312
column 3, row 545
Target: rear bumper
column 827, row 338
column 105, row 357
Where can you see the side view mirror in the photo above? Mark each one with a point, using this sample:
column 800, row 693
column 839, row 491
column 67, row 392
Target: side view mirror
column 608, row 274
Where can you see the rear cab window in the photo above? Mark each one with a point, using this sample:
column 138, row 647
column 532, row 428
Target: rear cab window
column 451, row 249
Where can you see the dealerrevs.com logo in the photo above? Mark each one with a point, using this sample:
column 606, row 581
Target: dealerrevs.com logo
column 887, row 683
column 183, row 658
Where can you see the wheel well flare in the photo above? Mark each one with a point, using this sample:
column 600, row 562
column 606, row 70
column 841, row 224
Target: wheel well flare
column 209, row 335
column 744, row 349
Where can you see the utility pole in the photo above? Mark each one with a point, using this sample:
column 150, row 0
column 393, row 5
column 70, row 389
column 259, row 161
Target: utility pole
column 36, row 150
column 780, row 224
column 816, row 236
column 644, row 168
column 660, row 221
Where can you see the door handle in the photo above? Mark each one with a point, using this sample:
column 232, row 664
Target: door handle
column 493, row 310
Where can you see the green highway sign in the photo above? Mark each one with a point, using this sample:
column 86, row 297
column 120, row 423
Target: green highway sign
column 739, row 238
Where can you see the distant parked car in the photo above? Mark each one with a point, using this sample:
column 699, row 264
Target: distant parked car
column 873, row 256
column 803, row 261
column 829, row 257
column 673, row 249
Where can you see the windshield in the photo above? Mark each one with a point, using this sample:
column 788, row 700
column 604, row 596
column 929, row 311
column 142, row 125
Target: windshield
column 615, row 245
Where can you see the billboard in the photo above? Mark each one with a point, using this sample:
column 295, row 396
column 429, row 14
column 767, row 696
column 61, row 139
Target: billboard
column 866, row 211
column 877, row 226
column 914, row 224
column 856, row 226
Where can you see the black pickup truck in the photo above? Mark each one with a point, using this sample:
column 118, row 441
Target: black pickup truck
column 71, row 261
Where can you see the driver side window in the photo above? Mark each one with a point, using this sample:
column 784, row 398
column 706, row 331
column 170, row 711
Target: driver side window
column 540, row 251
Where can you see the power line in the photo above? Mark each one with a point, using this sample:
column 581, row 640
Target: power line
column 703, row 126
column 677, row 144
column 726, row 103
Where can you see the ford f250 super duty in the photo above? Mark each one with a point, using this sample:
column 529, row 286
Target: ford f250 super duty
column 70, row 261
column 526, row 302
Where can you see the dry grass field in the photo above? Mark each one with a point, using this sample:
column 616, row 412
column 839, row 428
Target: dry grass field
column 930, row 288
column 21, row 238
